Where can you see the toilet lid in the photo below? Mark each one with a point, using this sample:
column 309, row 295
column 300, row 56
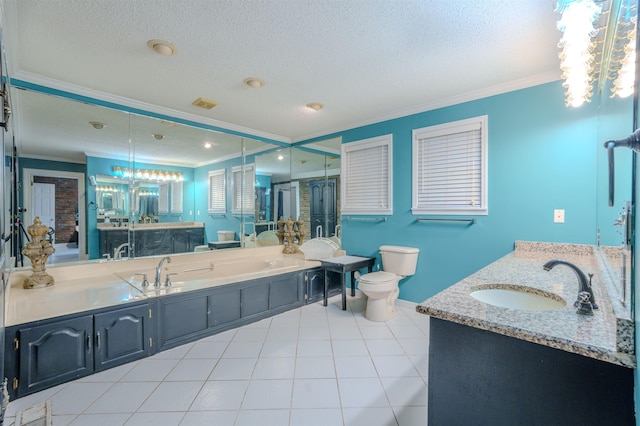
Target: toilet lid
column 378, row 277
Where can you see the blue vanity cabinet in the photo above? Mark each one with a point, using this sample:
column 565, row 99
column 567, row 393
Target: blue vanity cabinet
column 49, row 352
column 186, row 240
column 122, row 335
column 186, row 317
column 52, row 353
column 314, row 288
column 111, row 239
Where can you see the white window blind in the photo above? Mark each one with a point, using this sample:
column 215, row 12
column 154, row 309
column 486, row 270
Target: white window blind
column 450, row 168
column 217, row 192
column 244, row 193
column 163, row 198
column 367, row 176
column 176, row 197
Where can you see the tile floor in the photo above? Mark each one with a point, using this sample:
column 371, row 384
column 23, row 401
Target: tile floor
column 314, row 365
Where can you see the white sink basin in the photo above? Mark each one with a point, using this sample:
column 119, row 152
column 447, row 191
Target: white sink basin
column 518, row 297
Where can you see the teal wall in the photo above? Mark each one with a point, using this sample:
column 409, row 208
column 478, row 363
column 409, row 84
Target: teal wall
column 542, row 156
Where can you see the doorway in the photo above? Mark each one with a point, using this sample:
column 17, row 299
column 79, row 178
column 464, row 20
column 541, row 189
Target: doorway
column 65, row 193
column 322, row 206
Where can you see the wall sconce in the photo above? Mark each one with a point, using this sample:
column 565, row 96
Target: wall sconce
column 146, row 174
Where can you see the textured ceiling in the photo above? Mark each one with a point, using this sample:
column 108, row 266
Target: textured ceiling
column 365, row 60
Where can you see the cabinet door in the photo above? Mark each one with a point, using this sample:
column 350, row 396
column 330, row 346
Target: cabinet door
column 224, row 307
column 254, row 300
column 55, row 353
column 153, row 242
column 285, row 292
column 110, row 240
column 181, row 319
column 121, row 336
column 315, row 284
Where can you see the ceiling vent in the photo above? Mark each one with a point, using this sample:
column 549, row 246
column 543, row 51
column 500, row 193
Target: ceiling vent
column 204, row 103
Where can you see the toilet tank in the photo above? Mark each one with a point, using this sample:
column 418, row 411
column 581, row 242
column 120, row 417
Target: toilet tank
column 399, row 260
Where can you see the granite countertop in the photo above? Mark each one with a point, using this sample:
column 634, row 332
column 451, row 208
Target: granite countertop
column 606, row 336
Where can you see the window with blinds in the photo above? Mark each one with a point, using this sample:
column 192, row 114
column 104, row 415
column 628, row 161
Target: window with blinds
column 450, row 168
column 366, row 173
column 243, row 189
column 217, row 192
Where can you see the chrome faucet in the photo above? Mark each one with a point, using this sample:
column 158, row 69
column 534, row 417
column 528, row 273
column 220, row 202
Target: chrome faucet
column 585, row 284
column 159, row 270
column 117, row 252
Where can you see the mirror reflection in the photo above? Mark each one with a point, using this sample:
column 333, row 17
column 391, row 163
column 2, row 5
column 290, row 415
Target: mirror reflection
column 148, row 186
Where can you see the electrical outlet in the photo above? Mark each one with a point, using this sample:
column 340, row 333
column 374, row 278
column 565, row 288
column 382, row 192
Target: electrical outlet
column 558, row 216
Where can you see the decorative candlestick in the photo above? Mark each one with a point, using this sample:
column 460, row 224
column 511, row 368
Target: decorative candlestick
column 38, row 250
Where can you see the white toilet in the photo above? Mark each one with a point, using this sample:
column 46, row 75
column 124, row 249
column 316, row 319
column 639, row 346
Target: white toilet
column 381, row 287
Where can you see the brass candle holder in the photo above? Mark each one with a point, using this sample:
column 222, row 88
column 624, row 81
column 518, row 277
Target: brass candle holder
column 38, row 251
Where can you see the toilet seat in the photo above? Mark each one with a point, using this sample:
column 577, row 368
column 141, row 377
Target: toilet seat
column 377, row 278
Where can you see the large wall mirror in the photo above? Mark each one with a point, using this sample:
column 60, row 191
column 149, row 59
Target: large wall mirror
column 616, row 120
column 117, row 176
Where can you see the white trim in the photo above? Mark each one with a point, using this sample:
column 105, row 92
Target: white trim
column 27, row 200
column 131, row 103
column 498, row 89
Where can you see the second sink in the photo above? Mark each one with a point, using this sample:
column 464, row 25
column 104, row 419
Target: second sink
column 517, row 297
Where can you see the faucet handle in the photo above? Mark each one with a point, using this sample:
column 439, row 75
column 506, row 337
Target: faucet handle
column 145, row 281
column 167, row 281
column 584, row 303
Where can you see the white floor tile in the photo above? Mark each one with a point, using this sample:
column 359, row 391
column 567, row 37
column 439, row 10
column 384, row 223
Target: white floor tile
column 314, row 348
column 355, row 366
column 117, row 419
column 371, row 416
column 262, row 418
column 316, row 417
column 209, row 418
column 411, row 416
column 315, row 368
column 233, row 369
column 352, row 347
column 274, row 368
column 192, row 369
column 394, row 366
column 315, row 393
column 155, row 419
column 268, row 394
column 310, row 366
column 207, row 349
column 405, row 391
column 172, row 396
column 220, row 395
column 150, row 370
column 362, row 392
column 122, row 398
column 384, row 347
column 76, row 397
column 279, row 348
column 243, row 350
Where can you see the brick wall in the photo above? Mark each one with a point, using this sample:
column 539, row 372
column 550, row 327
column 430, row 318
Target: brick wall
column 66, row 207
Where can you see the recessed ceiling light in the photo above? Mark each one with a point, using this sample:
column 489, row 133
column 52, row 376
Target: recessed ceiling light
column 208, row 145
column 169, row 123
column 158, row 136
column 280, row 157
column 256, row 83
column 316, row 106
column 162, row 47
column 97, row 125
column 204, row 103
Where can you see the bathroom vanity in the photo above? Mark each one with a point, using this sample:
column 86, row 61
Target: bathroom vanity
column 151, row 239
column 99, row 315
column 501, row 365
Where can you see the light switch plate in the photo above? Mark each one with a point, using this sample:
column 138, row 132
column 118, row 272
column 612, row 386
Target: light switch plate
column 558, row 216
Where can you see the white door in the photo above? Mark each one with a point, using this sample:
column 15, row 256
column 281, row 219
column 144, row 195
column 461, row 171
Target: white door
column 44, row 203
